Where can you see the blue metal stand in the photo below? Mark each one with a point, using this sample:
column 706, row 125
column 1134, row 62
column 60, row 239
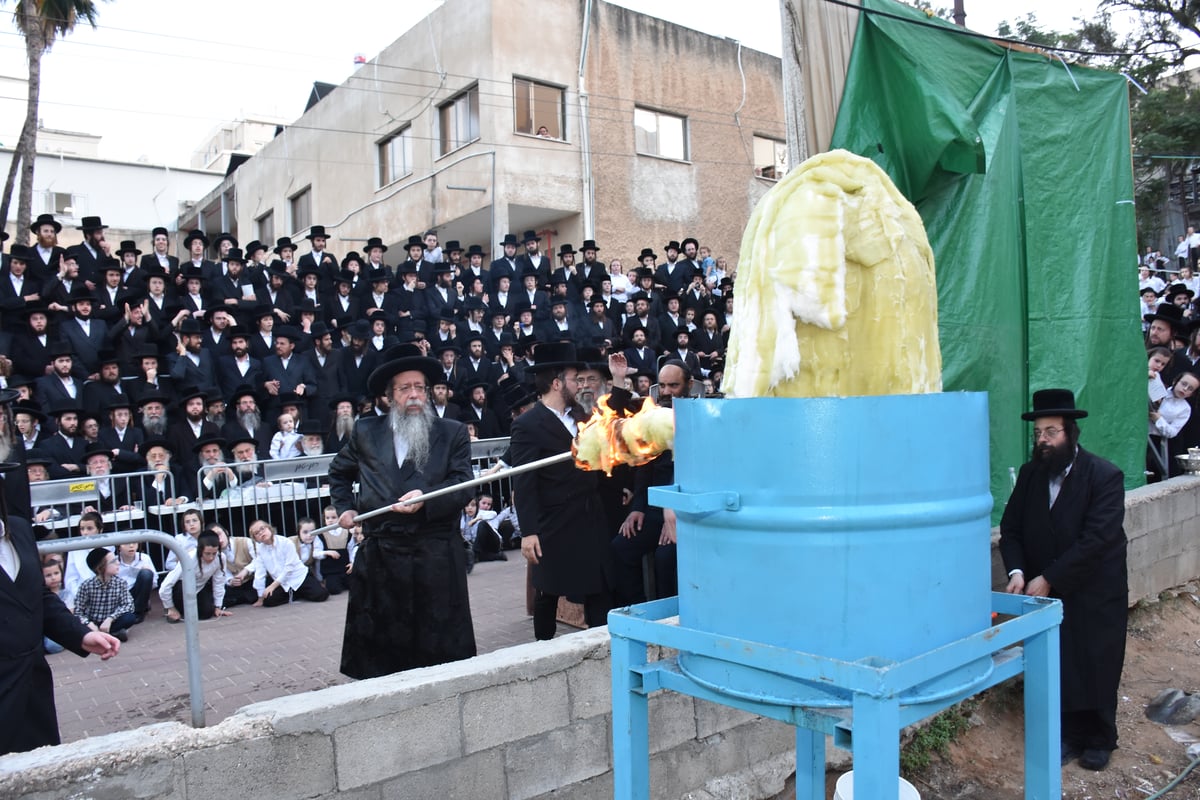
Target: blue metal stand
column 878, row 697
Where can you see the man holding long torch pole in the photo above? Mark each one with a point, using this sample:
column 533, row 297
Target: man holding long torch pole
column 408, row 591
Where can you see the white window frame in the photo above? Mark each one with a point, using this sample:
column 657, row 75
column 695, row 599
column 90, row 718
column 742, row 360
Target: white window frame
column 649, row 130
column 463, row 127
column 558, row 131
column 385, row 152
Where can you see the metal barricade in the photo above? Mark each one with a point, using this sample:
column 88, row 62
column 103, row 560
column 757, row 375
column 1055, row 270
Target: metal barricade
column 279, row 491
column 187, row 577
column 485, row 454
column 120, row 499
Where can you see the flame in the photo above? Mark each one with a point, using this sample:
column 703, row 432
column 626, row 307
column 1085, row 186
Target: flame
column 609, row 439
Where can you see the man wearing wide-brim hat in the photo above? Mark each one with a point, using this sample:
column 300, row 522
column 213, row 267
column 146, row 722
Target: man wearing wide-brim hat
column 564, row 535
column 1061, row 536
column 1167, row 324
column 409, row 605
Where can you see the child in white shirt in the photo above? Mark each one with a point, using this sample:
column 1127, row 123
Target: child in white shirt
column 286, row 442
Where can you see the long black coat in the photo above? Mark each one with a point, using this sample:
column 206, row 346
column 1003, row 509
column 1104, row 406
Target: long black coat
column 1079, row 547
column 409, row 605
column 29, row 611
column 561, row 505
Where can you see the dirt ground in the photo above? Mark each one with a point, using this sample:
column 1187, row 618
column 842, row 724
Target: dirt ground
column 1162, row 652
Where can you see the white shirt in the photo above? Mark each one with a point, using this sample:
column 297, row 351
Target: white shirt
column 279, row 560
column 204, row 574
column 1173, row 414
column 9, row 561
column 567, row 420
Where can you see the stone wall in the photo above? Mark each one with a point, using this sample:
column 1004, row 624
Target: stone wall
column 526, row 722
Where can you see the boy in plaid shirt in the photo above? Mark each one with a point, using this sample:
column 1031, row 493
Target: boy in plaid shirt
column 103, row 602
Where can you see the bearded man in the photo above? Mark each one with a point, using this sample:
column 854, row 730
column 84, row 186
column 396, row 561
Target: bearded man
column 1062, row 536
column 408, row 591
column 342, row 408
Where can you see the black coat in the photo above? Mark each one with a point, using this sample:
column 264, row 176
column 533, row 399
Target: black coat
column 1079, row 547
column 561, row 505
column 30, row 611
column 408, row 592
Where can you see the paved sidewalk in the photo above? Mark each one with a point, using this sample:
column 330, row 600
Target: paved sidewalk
column 257, row 654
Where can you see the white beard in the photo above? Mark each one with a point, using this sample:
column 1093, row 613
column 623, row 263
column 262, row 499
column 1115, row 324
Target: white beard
column 415, row 430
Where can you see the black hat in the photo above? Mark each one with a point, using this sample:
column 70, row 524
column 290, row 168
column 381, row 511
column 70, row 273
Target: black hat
column 78, row 294
column 190, row 393
column 36, row 455
column 473, row 385
column 287, row 332
column 193, row 236
column 91, row 224
column 213, row 396
column 359, row 329
column 32, row 410
column 58, row 349
column 317, row 329
column 120, row 401
column 237, row 332
column 97, row 557
column 307, row 269
column 375, row 241
column 672, row 245
column 415, row 241
column 1167, row 312
column 97, row 449
column 152, row 397
column 282, row 242
column 21, row 252
column 156, row 441
column 473, row 303
column 189, row 327
column 510, row 238
column 344, row 276
column 647, row 253
column 245, row 438
column 211, row 438
column 225, row 236
column 595, row 360
column 8, row 395
column 315, row 231
column 192, row 272
column 262, row 311
column 128, row 246
column 65, row 406
column 516, row 394
column 447, row 346
column 378, row 274
column 73, row 252
column 111, row 264
column 474, row 250
column 311, row 427
column 1054, row 403
column 159, row 230
column 530, row 236
column 589, row 244
column 689, row 239
column 555, row 356
column 566, row 249
column 278, row 269
column 1141, row 291
column 343, row 398
column 235, row 254
column 1176, row 289
column 453, row 246
column 156, row 270
column 413, row 359
column 379, row 315
column 354, row 256
column 245, row 390
column 45, row 219
column 253, row 247
column 558, row 301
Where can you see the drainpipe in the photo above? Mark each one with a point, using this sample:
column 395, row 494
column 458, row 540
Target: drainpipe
column 585, row 141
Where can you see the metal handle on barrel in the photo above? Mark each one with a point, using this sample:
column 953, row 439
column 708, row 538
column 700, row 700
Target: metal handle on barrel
column 694, row 503
column 480, row 481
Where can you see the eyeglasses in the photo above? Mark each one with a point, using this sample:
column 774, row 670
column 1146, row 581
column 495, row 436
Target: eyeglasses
column 1046, row 433
column 408, row 388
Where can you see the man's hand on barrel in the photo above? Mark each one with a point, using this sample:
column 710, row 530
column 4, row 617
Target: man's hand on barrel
column 400, row 507
column 531, row 548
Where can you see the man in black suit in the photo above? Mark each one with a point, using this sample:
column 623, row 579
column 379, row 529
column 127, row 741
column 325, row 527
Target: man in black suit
column 562, row 517
column 100, row 393
column 18, row 289
column 93, row 249
column 66, row 447
column 134, row 332
column 31, row 611
column 47, row 254
column 285, row 372
column 439, row 299
column 245, row 421
column 394, row 624
column 319, row 258
column 476, row 411
column 85, row 334
column 1062, row 536
column 160, row 256
column 640, row 357
column 559, row 327
column 674, row 274
column 188, row 431
column 590, row 270
column 326, row 365
column 358, row 359
column 61, row 384
column 119, row 437
column 506, row 265
column 533, row 259
column 194, row 364
column 475, row 366
column 239, row 367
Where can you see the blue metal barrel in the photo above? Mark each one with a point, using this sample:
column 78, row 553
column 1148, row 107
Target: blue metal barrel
column 850, row 528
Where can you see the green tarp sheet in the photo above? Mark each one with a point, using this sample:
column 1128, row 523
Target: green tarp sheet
column 1021, row 170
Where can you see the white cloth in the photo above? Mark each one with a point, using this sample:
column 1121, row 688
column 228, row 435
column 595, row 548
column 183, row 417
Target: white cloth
column 1173, row 414
column 10, row 562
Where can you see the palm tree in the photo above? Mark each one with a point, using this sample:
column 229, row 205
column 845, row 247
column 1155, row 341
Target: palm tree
column 41, row 22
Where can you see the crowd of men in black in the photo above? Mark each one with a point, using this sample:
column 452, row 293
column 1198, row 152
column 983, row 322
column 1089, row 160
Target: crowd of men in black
column 113, row 349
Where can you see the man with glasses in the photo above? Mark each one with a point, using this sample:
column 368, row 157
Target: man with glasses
column 564, row 535
column 1061, row 536
column 408, row 591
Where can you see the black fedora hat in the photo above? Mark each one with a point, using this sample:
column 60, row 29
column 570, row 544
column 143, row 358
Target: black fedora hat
column 414, row 241
column 510, row 238
column 1054, row 403
column 65, row 406
column 25, row 407
column 278, row 269
column 566, row 249
column 244, row 390
column 375, row 241
column 453, row 246
column 281, row 243
column 91, row 224
column 79, row 293
column 235, row 254
column 156, row 441
column 474, row 250
column 530, row 236
column 153, row 397
column 345, row 397
column 59, row 349
column 311, row 427
column 204, row 441
column 254, row 246
column 97, row 449
column 516, row 394
column 689, row 239
column 20, row 252
column 377, row 275
column 191, row 393
column 111, row 264
column 1168, row 313
column 556, row 356
column 193, row 236
column 45, row 219
column 35, row 455
column 128, row 246
column 589, row 244
column 315, row 231
column 345, row 276
column 672, row 245
column 225, row 236
column 408, row 357
column 647, row 253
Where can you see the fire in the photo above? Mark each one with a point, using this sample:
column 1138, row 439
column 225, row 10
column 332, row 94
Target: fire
column 609, row 439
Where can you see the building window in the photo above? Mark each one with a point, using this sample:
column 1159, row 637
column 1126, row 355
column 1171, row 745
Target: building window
column 62, row 204
column 659, row 134
column 458, row 121
column 266, row 228
column 395, row 156
column 301, row 209
column 770, row 158
column 536, row 106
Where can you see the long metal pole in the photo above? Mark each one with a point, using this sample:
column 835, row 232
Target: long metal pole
column 480, row 481
column 191, row 633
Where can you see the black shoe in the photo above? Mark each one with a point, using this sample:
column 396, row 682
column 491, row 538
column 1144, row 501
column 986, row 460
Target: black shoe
column 122, row 636
column 1095, row 760
column 1070, row 752
column 138, row 619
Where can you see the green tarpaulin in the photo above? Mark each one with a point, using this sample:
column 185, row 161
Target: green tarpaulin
column 1021, row 170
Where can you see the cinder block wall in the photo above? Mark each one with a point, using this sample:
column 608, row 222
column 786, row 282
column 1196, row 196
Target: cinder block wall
column 526, row 722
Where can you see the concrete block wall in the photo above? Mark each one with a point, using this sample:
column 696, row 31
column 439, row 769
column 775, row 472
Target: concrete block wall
column 529, row 722
column 522, row 723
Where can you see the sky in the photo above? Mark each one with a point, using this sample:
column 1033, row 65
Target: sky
column 156, row 77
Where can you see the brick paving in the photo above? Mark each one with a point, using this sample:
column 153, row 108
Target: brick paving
column 257, row 654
